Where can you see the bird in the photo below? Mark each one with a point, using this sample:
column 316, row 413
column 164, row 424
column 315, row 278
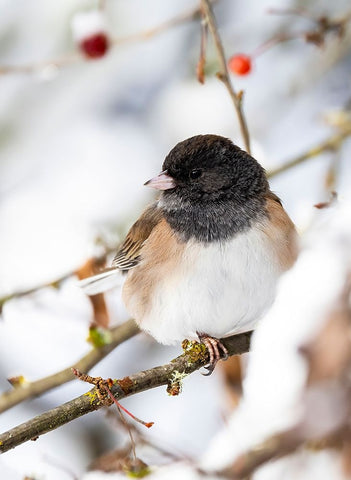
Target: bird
column 202, row 262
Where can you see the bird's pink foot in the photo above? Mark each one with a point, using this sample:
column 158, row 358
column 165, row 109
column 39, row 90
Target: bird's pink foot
column 216, row 350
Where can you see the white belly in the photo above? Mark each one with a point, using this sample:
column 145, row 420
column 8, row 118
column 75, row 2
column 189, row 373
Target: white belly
column 217, row 289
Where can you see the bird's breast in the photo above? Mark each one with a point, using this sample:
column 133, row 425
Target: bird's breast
column 217, row 288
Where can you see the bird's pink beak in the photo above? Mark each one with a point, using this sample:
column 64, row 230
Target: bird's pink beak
column 162, row 182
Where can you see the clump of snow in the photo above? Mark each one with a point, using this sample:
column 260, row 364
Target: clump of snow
column 85, row 24
column 277, row 371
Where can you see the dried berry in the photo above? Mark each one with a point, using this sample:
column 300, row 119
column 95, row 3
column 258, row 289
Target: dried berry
column 95, row 46
column 90, row 33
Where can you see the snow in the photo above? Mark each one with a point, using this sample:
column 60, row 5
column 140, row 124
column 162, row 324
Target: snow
column 86, row 24
column 277, row 372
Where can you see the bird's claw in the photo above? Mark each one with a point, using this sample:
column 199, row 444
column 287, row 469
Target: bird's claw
column 216, row 350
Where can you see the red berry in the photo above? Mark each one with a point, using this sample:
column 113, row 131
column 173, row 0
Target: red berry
column 95, row 46
column 240, row 64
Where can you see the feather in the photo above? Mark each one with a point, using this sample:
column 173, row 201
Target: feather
column 127, row 257
column 102, row 281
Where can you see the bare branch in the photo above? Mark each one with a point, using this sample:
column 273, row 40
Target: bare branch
column 200, row 68
column 194, row 357
column 21, row 293
column 193, row 14
column 223, row 74
column 93, row 263
column 25, row 391
column 330, row 144
column 274, row 447
column 73, row 57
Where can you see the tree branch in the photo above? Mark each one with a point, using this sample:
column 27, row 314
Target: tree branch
column 25, row 391
column 330, row 144
column 223, row 74
column 73, row 57
column 188, row 16
column 193, row 358
column 274, row 447
column 96, row 261
column 21, row 293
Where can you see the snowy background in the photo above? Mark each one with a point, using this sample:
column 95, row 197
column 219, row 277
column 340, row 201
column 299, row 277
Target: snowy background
column 76, row 146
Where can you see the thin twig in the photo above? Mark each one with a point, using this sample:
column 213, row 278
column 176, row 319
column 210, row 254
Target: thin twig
column 126, row 425
column 141, row 439
column 98, row 260
column 57, row 63
column 300, row 12
column 21, row 293
column 188, row 16
column 25, row 391
column 120, row 407
column 73, row 57
column 330, row 144
column 276, row 446
column 285, row 443
column 189, row 362
column 200, row 68
column 223, row 74
column 317, row 35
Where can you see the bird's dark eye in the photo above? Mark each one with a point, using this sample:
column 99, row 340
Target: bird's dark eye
column 196, row 173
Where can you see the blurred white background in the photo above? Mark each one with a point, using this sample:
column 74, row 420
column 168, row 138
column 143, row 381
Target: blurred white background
column 76, row 146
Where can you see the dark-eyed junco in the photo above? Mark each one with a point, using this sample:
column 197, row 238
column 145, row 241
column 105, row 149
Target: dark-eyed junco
column 203, row 261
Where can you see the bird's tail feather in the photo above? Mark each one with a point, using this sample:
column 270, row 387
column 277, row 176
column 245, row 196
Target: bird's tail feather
column 102, row 281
